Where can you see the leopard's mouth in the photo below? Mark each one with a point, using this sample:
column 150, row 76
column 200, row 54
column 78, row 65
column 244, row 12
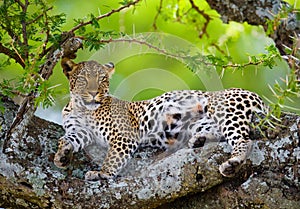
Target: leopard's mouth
column 91, row 104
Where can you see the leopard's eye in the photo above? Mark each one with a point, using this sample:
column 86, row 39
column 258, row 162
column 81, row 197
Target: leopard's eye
column 81, row 78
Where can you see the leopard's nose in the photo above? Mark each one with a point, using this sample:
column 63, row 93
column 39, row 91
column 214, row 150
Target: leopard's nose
column 93, row 93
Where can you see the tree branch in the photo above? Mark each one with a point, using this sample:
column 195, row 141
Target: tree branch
column 39, row 16
column 10, row 32
column 27, row 171
column 133, row 3
column 11, row 54
column 206, row 17
column 184, row 56
column 157, row 14
column 24, row 29
column 21, row 4
column 260, row 12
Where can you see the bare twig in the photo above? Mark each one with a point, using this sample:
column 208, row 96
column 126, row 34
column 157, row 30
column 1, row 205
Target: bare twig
column 24, row 28
column 145, row 43
column 250, row 63
column 218, row 48
column 157, row 14
column 133, row 3
column 21, row 4
column 39, row 16
column 206, row 17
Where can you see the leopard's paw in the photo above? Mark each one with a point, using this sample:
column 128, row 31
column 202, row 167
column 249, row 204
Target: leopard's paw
column 230, row 167
column 96, row 175
column 64, row 154
column 92, row 176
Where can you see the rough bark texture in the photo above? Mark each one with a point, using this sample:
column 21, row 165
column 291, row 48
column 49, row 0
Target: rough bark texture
column 29, row 179
column 259, row 12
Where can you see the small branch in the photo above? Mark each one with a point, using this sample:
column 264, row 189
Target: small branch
column 186, row 57
column 157, row 14
column 250, row 63
column 24, row 29
column 206, row 17
column 136, row 41
column 11, row 54
column 21, row 4
column 39, row 16
column 218, row 48
column 105, row 15
column 44, row 49
column 13, row 36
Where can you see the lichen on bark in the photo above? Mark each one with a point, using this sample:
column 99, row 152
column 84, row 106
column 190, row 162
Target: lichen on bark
column 29, row 179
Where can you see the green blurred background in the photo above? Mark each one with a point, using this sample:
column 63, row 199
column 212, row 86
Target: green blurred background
column 142, row 73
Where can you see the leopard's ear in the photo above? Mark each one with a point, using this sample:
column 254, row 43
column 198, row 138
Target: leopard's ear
column 110, row 68
column 68, row 66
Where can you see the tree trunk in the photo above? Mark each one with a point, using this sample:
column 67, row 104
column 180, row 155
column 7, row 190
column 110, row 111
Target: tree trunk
column 29, row 179
column 262, row 12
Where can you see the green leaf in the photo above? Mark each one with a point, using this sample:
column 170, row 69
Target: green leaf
column 94, row 21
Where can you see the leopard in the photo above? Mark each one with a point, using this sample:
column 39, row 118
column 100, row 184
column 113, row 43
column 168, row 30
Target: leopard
column 175, row 119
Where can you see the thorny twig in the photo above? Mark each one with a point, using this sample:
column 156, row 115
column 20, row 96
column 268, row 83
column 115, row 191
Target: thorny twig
column 145, row 43
column 178, row 55
column 133, row 3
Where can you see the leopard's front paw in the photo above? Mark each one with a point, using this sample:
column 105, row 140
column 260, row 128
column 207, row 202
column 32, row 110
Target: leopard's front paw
column 96, row 175
column 230, row 167
column 64, row 154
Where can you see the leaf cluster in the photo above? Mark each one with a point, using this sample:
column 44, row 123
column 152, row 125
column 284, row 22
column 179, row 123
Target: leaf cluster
column 26, row 35
column 92, row 34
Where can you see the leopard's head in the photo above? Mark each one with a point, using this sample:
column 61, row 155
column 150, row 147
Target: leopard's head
column 89, row 81
column 64, row 154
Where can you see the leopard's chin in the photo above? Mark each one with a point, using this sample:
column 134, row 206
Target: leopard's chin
column 91, row 105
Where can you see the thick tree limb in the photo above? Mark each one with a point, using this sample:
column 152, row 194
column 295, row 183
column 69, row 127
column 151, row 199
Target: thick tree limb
column 29, row 179
column 12, row 54
column 69, row 47
column 259, row 12
column 113, row 11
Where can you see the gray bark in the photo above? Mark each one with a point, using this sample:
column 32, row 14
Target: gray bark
column 189, row 178
column 269, row 179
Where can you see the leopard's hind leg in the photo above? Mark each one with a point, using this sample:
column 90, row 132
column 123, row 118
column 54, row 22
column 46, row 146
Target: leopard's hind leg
column 237, row 136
